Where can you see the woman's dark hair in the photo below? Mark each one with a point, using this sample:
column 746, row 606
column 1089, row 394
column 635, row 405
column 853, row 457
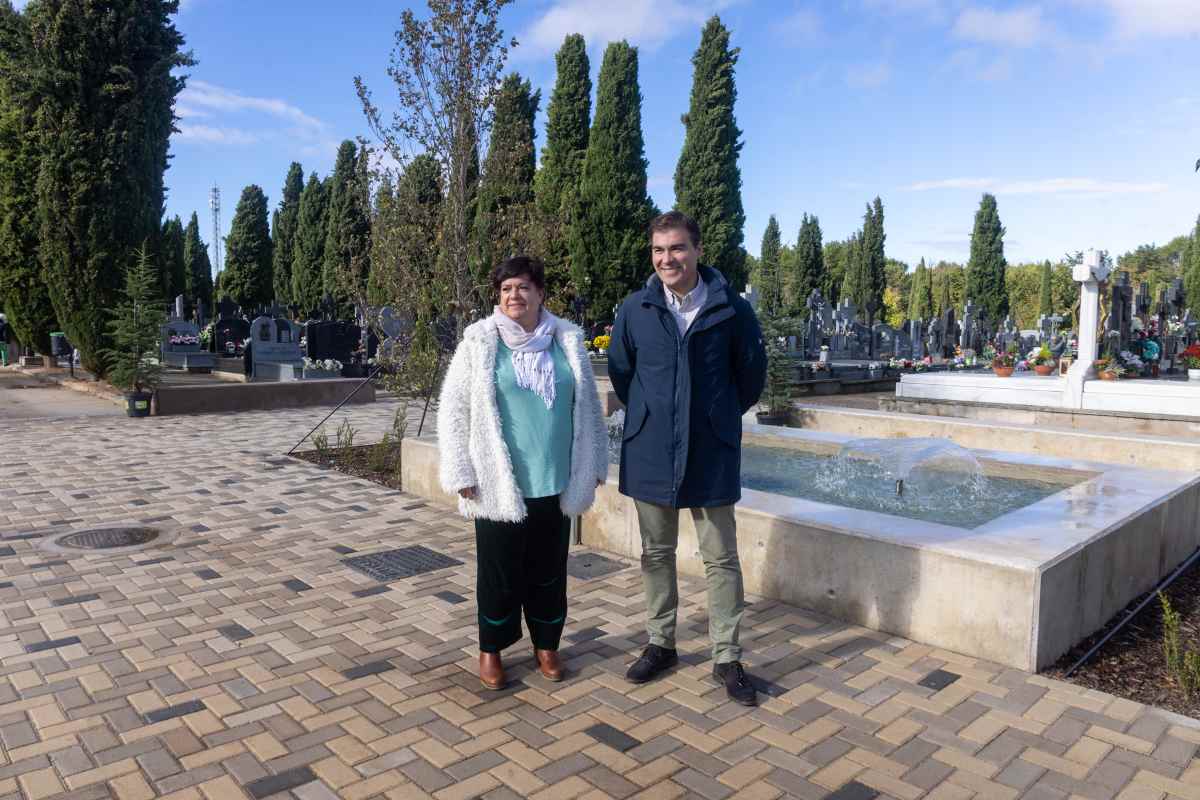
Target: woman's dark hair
column 517, row 266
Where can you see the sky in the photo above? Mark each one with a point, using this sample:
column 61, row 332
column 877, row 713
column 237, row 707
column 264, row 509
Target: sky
column 1081, row 116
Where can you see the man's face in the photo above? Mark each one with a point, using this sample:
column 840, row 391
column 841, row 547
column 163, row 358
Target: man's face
column 675, row 259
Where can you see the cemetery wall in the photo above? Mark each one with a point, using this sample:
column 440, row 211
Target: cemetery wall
column 224, row 397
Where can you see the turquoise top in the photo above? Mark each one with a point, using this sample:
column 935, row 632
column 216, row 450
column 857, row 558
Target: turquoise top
column 538, row 438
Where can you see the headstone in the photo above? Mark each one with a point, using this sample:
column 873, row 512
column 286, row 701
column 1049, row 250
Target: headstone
column 1120, row 306
column 916, row 336
column 751, row 296
column 229, row 331
column 274, row 350
column 883, row 340
column 946, row 335
column 331, row 339
column 180, row 345
column 969, row 339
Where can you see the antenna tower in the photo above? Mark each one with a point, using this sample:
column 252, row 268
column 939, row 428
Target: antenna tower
column 214, row 202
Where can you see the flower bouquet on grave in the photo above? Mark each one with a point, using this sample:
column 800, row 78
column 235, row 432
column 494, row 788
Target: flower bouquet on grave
column 206, row 335
column 1004, row 363
column 1132, row 366
column 185, row 340
column 1042, row 360
column 601, row 343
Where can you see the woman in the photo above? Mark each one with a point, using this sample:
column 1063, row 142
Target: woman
column 523, row 443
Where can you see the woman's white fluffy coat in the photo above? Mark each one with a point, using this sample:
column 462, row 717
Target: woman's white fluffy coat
column 471, row 445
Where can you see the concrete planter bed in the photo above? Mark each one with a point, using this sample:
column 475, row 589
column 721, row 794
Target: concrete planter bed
column 1020, row 589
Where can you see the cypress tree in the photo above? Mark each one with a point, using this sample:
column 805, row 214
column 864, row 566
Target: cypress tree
column 308, row 251
column 810, row 263
column 874, row 262
column 771, row 291
column 174, row 267
column 348, row 231
column 986, row 286
column 944, row 301
column 708, row 182
column 24, row 297
column 405, row 242
column 608, row 243
column 503, row 221
column 855, row 283
column 283, row 233
column 921, row 300
column 1045, row 298
column 247, row 275
column 557, row 180
column 199, row 280
column 105, row 79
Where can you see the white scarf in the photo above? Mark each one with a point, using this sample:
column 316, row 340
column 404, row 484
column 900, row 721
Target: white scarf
column 531, row 358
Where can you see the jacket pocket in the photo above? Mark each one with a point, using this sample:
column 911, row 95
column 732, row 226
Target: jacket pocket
column 635, row 420
column 724, row 419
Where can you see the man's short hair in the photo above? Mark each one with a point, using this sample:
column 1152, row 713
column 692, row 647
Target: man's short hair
column 517, row 266
column 676, row 219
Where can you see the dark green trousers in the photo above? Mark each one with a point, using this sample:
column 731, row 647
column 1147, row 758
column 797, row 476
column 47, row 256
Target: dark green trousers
column 523, row 570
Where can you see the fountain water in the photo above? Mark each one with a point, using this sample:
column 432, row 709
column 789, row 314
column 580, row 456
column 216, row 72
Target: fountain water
column 926, row 479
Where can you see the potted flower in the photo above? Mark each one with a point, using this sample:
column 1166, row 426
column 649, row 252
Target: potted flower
column 1132, row 365
column 1042, row 360
column 1003, row 364
column 1108, row 367
column 776, row 400
column 1190, row 358
column 132, row 361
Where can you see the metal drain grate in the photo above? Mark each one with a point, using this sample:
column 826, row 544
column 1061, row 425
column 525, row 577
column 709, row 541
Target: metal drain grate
column 108, row 538
column 405, row 562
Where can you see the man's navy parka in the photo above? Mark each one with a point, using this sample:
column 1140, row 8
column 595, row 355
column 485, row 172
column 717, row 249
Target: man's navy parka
column 685, row 395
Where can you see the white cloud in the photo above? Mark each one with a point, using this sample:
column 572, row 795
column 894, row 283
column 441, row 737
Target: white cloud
column 868, row 76
column 1020, row 27
column 236, row 119
column 201, row 93
column 215, row 135
column 1072, row 186
column 641, row 22
column 1135, row 18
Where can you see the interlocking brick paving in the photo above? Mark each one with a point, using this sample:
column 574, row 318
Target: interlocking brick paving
column 246, row 660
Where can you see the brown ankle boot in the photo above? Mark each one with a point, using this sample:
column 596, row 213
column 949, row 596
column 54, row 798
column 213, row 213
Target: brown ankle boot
column 491, row 671
column 549, row 664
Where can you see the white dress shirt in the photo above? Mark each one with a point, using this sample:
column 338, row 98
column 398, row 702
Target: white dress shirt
column 685, row 308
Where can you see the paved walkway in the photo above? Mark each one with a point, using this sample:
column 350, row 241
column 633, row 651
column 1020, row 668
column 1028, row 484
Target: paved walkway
column 248, row 659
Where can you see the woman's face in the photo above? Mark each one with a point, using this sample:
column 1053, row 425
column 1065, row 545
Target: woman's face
column 521, row 300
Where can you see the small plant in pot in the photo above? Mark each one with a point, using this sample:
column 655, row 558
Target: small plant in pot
column 776, row 400
column 1042, row 360
column 132, row 360
column 1004, row 363
column 1193, row 367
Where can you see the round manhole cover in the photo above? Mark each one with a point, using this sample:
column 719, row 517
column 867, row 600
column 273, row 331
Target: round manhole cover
column 108, row 538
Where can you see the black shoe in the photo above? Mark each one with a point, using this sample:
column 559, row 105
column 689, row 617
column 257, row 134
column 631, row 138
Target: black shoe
column 654, row 659
column 737, row 683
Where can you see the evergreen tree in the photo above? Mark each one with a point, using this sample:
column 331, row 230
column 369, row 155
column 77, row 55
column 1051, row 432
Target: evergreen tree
column 810, row 263
column 283, row 234
column 199, row 285
column 135, row 329
column 944, row 301
column 986, row 287
column 771, row 291
column 173, row 266
column 105, row 78
column 348, row 226
column 921, row 295
column 1045, row 297
column 608, row 244
column 855, row 285
column 708, row 181
column 247, row 275
column 835, row 254
column 504, row 219
column 874, row 262
column 1191, row 271
column 557, row 180
column 24, row 298
column 404, row 243
column 308, row 250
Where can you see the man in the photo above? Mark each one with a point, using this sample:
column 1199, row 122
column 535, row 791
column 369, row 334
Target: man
column 687, row 360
